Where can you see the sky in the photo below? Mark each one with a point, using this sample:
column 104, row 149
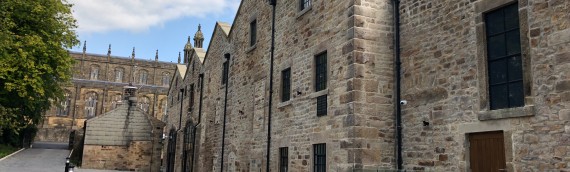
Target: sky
column 147, row 25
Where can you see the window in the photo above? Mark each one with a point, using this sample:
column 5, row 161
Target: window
column 283, row 159
column 321, row 72
column 286, row 85
column 144, row 104
column 143, row 76
column 119, row 74
column 65, row 103
column 165, row 78
column 252, row 32
column 320, row 157
column 115, row 101
column 94, row 75
column 304, row 4
column 504, row 58
column 322, row 105
column 225, row 73
column 191, row 96
column 90, row 104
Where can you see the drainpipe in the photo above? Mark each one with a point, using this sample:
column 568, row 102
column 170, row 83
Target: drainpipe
column 199, row 121
column 227, row 56
column 273, row 3
column 397, row 69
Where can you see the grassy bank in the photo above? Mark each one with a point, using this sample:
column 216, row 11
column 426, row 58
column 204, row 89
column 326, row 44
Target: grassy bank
column 6, row 150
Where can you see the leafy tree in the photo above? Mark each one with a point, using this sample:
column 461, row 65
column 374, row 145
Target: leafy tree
column 34, row 62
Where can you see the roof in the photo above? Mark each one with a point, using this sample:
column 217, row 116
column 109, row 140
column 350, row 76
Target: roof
column 226, row 27
column 120, row 126
column 181, row 68
column 201, row 53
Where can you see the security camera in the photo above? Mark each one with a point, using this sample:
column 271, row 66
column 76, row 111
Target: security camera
column 403, row 102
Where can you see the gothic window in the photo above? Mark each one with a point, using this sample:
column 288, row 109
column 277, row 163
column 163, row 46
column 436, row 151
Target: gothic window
column 94, row 75
column 165, row 78
column 90, row 104
column 119, row 74
column 143, row 76
column 504, row 58
column 304, row 4
column 144, row 104
column 115, row 101
column 63, row 110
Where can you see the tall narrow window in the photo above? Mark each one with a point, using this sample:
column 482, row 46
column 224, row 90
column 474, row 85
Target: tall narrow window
column 144, row 104
column 304, row 4
column 65, row 103
column 322, row 105
column 321, row 72
column 286, row 85
column 252, row 32
column 119, row 74
column 225, row 73
column 191, row 96
column 143, row 76
column 90, row 104
column 320, row 157
column 94, row 75
column 165, row 78
column 504, row 58
column 283, row 159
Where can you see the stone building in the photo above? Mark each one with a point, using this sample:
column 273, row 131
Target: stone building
column 480, row 85
column 97, row 86
column 125, row 138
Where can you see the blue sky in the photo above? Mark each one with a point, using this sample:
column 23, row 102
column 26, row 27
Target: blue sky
column 147, row 25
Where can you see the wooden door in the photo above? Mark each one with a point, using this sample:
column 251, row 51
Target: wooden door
column 487, row 152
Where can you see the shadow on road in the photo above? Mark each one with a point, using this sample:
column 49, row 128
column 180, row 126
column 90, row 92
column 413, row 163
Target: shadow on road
column 49, row 145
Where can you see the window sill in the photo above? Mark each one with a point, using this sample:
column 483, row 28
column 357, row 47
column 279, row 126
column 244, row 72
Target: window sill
column 304, row 11
column 525, row 111
column 319, row 93
column 251, row 48
column 284, row 104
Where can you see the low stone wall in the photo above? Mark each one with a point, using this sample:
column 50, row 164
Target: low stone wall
column 135, row 157
column 52, row 135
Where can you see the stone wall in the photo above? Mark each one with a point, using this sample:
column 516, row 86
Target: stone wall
column 135, row 156
column 445, row 83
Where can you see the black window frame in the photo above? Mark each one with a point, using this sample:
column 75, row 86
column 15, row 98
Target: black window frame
column 304, row 4
column 283, row 159
column 320, row 157
column 322, row 105
column 286, row 85
column 321, row 72
column 253, row 32
column 504, row 58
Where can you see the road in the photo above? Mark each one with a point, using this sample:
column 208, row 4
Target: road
column 42, row 157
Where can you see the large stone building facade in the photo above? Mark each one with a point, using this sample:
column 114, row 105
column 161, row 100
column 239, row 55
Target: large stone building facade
column 478, row 80
column 97, row 85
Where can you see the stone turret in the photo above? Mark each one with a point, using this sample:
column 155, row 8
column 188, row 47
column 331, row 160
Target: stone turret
column 199, row 38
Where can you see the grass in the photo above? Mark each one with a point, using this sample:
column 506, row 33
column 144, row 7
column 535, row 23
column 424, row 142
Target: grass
column 6, row 150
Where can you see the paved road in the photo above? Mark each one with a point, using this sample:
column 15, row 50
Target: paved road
column 42, row 157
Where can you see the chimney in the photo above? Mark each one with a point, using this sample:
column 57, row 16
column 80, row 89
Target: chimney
column 130, row 94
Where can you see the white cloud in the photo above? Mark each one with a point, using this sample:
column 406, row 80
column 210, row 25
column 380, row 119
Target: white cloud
column 139, row 15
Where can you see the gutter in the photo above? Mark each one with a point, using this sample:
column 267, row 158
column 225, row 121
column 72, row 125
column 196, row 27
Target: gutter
column 199, row 121
column 397, row 70
column 273, row 3
column 227, row 57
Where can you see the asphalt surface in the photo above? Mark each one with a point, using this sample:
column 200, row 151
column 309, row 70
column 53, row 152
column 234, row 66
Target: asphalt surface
column 42, row 157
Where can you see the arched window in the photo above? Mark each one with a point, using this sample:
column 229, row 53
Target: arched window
column 165, row 78
column 143, row 76
column 119, row 74
column 63, row 110
column 114, row 101
column 90, row 104
column 94, row 72
column 144, row 103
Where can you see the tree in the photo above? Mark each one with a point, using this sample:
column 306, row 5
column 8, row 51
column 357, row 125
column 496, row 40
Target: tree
column 34, row 62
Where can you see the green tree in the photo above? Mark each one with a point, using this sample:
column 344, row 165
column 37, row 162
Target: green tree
column 34, row 62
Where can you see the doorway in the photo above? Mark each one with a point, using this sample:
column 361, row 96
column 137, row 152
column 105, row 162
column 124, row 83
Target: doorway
column 487, row 152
